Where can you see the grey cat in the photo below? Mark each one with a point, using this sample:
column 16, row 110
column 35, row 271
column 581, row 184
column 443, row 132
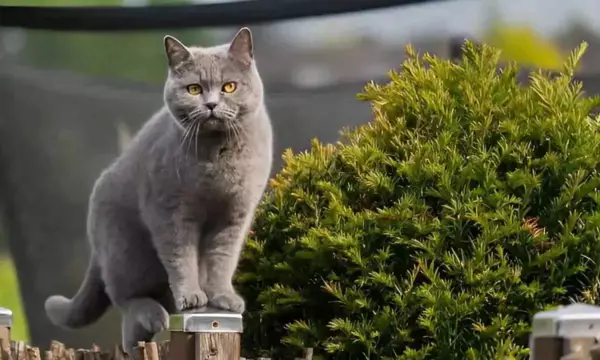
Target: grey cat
column 168, row 218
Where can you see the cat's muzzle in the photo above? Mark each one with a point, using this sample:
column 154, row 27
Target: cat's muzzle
column 214, row 123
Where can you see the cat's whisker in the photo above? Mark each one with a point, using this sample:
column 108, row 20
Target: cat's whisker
column 196, row 136
column 227, row 134
column 186, row 134
column 193, row 126
column 195, row 112
column 236, row 130
column 229, row 131
column 185, row 120
column 240, row 128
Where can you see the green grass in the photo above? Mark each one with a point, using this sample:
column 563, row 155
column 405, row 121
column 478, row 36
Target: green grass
column 10, row 297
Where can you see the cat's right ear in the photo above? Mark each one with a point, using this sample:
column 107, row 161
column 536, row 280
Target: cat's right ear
column 176, row 51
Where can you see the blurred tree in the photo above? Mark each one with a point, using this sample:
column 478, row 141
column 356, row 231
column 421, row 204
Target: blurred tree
column 523, row 45
column 520, row 43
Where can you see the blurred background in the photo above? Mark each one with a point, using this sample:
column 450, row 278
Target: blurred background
column 69, row 102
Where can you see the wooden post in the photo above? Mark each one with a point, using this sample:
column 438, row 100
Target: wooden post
column 6, row 318
column 566, row 332
column 205, row 334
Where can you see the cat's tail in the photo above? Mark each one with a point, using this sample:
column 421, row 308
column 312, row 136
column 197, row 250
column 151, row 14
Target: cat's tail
column 87, row 306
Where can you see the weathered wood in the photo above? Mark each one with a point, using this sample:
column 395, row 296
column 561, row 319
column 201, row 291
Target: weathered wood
column 60, row 352
column 4, row 341
column 79, row 354
column 217, row 346
column 5, row 325
column 20, row 352
column 581, row 346
column 595, row 352
column 547, row 348
column 205, row 334
column 574, row 356
column 152, row 352
column 117, row 353
column 141, row 348
column 88, row 355
column 33, row 353
column 181, row 346
column 163, row 349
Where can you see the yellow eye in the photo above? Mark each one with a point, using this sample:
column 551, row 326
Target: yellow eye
column 229, row 87
column 194, row 89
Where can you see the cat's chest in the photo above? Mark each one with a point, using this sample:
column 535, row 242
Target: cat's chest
column 226, row 176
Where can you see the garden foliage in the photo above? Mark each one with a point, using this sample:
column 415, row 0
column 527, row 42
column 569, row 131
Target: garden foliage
column 437, row 230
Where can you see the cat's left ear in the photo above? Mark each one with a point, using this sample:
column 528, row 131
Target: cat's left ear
column 176, row 51
column 241, row 47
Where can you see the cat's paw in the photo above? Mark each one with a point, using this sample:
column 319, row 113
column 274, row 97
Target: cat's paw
column 190, row 299
column 156, row 321
column 227, row 301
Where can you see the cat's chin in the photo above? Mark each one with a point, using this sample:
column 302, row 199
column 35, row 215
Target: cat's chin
column 213, row 124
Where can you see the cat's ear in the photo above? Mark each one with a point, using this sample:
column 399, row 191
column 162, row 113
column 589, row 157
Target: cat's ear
column 241, row 46
column 176, row 51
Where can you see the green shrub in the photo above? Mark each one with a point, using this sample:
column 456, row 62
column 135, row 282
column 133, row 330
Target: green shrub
column 437, row 230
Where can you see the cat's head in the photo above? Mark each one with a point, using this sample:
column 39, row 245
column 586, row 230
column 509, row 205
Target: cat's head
column 212, row 88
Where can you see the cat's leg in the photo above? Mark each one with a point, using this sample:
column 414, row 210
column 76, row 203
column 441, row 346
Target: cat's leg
column 202, row 268
column 141, row 319
column 176, row 242
column 220, row 255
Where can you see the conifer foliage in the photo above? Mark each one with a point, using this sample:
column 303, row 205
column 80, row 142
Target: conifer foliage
column 438, row 229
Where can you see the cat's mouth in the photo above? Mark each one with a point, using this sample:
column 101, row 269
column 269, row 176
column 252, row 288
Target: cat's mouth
column 213, row 123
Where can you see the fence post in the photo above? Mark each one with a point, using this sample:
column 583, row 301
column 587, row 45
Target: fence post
column 6, row 318
column 205, row 334
column 568, row 330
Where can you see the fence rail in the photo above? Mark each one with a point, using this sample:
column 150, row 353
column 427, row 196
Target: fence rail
column 567, row 333
column 205, row 334
column 119, row 18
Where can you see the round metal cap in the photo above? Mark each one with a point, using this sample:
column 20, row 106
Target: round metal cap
column 6, row 317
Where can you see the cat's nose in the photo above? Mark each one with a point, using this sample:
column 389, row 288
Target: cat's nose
column 211, row 105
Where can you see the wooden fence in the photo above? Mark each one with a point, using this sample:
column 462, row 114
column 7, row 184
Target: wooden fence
column 568, row 333
column 204, row 334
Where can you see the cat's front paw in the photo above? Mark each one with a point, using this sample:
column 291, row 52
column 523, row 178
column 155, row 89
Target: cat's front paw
column 190, row 299
column 227, row 301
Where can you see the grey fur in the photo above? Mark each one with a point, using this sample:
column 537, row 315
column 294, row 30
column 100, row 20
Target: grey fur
column 167, row 219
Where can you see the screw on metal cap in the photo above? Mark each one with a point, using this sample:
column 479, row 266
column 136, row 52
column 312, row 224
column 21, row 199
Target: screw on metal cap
column 206, row 320
column 6, row 317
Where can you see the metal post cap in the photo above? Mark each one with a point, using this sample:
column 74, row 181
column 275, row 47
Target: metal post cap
column 6, row 317
column 206, row 320
column 572, row 321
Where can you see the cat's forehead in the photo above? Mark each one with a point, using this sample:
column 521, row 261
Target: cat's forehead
column 212, row 64
column 211, row 58
column 198, row 52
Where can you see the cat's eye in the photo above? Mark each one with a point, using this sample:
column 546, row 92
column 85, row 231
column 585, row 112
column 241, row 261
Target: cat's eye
column 229, row 87
column 194, row 89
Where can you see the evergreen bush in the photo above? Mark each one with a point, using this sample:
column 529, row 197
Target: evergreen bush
column 440, row 228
